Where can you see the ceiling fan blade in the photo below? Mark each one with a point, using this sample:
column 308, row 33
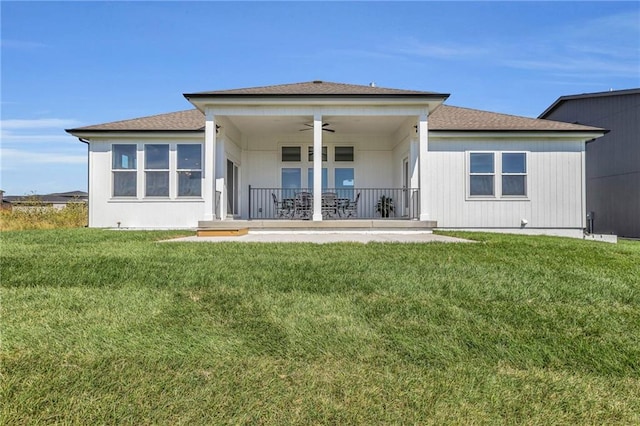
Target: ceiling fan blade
column 303, row 130
column 310, row 127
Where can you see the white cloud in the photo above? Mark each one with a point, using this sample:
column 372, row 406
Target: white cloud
column 38, row 123
column 413, row 47
column 7, row 137
column 606, row 45
column 12, row 158
column 578, row 66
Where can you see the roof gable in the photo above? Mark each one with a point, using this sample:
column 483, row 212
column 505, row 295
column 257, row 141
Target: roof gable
column 315, row 88
column 562, row 99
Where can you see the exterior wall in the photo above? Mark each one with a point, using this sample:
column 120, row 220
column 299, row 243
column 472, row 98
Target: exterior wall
column 612, row 161
column 373, row 161
column 554, row 186
column 554, row 173
column 106, row 211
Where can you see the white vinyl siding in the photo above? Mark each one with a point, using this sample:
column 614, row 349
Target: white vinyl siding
column 553, row 185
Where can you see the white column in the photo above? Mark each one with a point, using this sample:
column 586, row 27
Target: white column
column 423, row 154
column 414, row 174
column 317, row 167
column 209, row 167
column 221, row 186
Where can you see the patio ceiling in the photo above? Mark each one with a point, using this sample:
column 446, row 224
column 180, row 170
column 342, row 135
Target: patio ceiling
column 341, row 124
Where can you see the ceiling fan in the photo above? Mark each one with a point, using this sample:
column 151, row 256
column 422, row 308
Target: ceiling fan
column 324, row 129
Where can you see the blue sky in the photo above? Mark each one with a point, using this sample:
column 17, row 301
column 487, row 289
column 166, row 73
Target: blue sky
column 68, row 64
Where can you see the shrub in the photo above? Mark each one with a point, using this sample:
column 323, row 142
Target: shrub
column 37, row 215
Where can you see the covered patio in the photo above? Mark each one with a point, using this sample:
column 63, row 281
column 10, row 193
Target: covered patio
column 373, row 145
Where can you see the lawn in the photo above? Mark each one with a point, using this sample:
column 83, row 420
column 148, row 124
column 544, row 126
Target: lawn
column 114, row 327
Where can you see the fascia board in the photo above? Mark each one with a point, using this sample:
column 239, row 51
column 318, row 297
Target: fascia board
column 551, row 135
column 291, row 110
column 143, row 134
column 431, row 102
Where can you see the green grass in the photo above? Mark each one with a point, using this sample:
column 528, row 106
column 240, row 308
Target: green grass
column 109, row 327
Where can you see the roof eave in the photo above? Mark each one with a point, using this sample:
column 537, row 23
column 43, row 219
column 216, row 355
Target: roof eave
column 580, row 134
column 563, row 99
column 101, row 133
column 431, row 96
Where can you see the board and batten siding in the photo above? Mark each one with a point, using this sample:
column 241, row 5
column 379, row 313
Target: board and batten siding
column 554, row 185
column 106, row 211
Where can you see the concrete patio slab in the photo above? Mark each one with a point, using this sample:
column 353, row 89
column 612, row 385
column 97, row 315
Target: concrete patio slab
column 328, row 237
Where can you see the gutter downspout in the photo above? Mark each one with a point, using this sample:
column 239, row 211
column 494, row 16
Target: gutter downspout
column 88, row 178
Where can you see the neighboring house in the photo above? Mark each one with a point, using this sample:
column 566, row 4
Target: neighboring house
column 385, row 154
column 613, row 161
column 4, row 204
column 58, row 200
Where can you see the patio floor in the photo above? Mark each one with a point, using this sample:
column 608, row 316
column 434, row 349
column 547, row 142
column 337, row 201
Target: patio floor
column 324, row 237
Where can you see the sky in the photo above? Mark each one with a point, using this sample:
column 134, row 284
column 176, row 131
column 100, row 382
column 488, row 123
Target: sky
column 70, row 64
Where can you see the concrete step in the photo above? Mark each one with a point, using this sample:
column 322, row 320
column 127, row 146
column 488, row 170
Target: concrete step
column 325, row 225
column 231, row 232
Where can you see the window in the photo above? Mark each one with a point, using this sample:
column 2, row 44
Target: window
column 514, row 173
column 511, row 182
column 291, row 181
column 343, row 153
column 344, row 181
column 481, row 174
column 189, row 170
column 293, row 176
column 291, row 153
column 156, row 165
column 124, row 167
column 324, row 153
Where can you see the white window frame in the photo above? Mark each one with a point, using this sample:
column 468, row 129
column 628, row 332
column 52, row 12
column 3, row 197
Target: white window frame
column 133, row 171
column 182, row 170
column 147, row 170
column 492, row 174
column 141, row 169
column 497, row 176
column 305, row 164
column 525, row 174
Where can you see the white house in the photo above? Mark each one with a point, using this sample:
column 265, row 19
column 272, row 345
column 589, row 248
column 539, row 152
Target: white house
column 388, row 154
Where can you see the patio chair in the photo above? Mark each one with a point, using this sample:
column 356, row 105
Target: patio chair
column 329, row 204
column 351, row 208
column 282, row 209
column 303, row 205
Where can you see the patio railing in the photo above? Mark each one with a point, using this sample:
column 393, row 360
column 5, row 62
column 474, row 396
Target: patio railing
column 337, row 203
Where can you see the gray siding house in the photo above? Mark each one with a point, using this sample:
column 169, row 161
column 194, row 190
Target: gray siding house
column 612, row 161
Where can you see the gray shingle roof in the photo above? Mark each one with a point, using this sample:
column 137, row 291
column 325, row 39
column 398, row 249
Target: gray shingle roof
column 314, row 88
column 190, row 120
column 444, row 118
column 449, row 118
